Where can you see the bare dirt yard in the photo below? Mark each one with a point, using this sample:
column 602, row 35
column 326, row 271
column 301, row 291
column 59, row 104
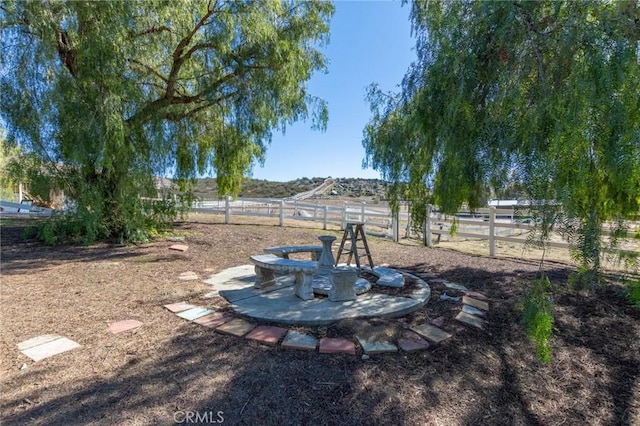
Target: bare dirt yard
column 171, row 368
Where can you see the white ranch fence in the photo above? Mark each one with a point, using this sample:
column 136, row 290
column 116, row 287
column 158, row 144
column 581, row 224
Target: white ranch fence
column 492, row 224
column 378, row 219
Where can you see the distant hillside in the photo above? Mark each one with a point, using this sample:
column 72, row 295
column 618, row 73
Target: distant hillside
column 257, row 188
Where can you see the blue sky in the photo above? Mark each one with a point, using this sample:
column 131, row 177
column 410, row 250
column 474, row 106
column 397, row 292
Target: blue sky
column 370, row 42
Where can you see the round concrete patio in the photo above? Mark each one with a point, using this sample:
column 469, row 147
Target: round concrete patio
column 279, row 304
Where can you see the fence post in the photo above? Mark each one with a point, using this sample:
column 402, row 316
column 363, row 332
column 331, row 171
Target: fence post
column 362, row 211
column 343, row 224
column 281, row 220
column 395, row 226
column 492, row 228
column 227, row 212
column 324, row 220
column 427, row 227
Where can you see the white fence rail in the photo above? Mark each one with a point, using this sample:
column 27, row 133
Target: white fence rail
column 492, row 224
column 378, row 220
column 495, row 224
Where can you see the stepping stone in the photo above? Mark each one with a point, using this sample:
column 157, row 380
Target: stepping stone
column 179, row 247
column 472, row 311
column 236, row 327
column 372, row 347
column 411, row 342
column 438, row 322
column 388, row 277
column 188, row 276
column 213, row 320
column 38, row 340
column 476, row 295
column 337, row 345
column 267, row 335
column 49, row 348
column 475, row 303
column 455, row 286
column 472, row 320
column 296, row 340
column 445, row 297
column 194, row 313
column 178, row 307
column 432, row 333
column 122, row 326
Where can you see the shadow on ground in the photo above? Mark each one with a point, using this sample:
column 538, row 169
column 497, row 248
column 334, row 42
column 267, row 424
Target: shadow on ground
column 476, row 377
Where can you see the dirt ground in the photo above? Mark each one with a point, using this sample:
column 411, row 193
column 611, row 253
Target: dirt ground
column 170, row 368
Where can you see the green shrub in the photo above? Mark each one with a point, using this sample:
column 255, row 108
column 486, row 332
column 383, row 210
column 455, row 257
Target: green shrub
column 538, row 318
column 634, row 292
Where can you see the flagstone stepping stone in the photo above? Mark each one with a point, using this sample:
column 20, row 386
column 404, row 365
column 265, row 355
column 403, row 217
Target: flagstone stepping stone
column 236, row 327
column 296, row 340
column 472, row 311
column 438, row 322
column 471, row 320
column 455, row 286
column 375, row 347
column 412, row 342
column 476, row 295
column 188, row 276
column 445, row 297
column 178, row 307
column 432, row 333
column 336, row 345
column 41, row 347
column 179, row 247
column 122, row 326
column 475, row 303
column 213, row 320
column 388, row 277
column 194, row 313
column 267, row 335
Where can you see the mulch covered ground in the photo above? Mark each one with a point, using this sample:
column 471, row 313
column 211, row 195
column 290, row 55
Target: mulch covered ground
column 170, row 368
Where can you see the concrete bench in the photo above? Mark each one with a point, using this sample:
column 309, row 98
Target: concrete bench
column 285, row 251
column 266, row 265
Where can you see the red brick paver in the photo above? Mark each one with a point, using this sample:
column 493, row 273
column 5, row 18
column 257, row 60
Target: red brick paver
column 179, row 307
column 267, row 335
column 334, row 345
column 213, row 320
column 122, row 326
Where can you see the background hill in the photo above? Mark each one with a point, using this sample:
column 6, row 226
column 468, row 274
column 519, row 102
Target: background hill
column 207, row 189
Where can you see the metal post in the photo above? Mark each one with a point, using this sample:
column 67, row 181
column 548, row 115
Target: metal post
column 227, row 209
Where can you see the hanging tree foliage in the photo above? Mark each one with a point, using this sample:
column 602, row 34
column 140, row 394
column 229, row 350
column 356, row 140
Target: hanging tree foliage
column 119, row 91
column 546, row 91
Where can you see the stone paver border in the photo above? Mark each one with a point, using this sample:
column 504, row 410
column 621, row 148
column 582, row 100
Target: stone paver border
column 473, row 313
